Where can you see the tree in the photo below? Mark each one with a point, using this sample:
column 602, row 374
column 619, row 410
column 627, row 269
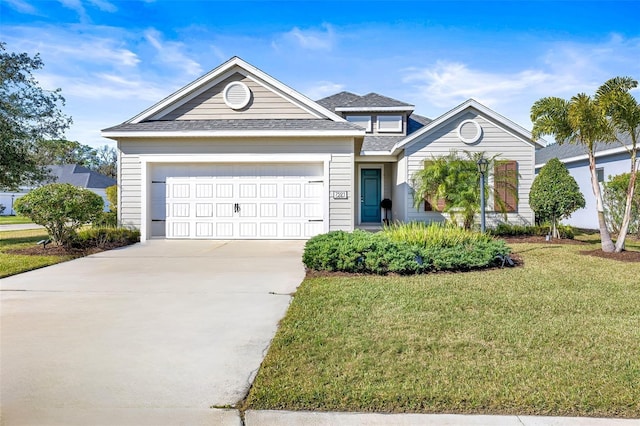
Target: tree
column 555, row 194
column 61, row 208
column 28, row 114
column 106, row 161
column 60, row 152
column 580, row 120
column 623, row 111
column 453, row 180
column 615, row 198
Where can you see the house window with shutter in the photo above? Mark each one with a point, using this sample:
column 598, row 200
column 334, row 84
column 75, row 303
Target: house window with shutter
column 505, row 183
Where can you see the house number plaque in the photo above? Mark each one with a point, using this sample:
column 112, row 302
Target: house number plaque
column 340, row 195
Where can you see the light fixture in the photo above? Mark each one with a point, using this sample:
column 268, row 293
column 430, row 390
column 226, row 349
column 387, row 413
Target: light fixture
column 483, row 166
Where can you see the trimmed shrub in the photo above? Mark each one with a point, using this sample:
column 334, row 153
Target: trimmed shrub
column 61, row 208
column 364, row 252
column 506, row 230
column 106, row 237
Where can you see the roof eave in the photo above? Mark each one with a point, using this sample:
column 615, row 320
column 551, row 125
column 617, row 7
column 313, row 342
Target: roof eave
column 376, row 109
column 115, row 134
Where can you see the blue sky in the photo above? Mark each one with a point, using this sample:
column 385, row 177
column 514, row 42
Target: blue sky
column 112, row 59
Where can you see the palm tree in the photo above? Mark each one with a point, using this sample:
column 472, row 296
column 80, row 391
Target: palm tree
column 623, row 111
column 579, row 120
column 453, row 180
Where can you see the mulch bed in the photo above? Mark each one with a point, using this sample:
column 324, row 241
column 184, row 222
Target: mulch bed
column 539, row 240
column 624, row 256
column 54, row 250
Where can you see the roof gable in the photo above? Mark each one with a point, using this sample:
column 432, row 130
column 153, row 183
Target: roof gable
column 504, row 122
column 194, row 99
column 350, row 102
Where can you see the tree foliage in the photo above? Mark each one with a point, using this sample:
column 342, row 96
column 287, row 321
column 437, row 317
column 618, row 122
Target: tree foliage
column 112, row 197
column 455, row 180
column 580, row 120
column 555, row 194
column 61, row 208
column 615, row 198
column 28, row 114
column 623, row 111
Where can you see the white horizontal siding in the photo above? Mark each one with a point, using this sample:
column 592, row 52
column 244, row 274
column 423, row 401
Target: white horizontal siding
column 264, row 103
column 341, row 173
column 494, row 141
column 129, row 190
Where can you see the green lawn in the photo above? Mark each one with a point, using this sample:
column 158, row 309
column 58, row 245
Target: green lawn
column 9, row 220
column 11, row 264
column 559, row 336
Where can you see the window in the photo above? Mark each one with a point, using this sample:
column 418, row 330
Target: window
column 505, row 186
column 600, row 174
column 363, row 121
column 389, row 123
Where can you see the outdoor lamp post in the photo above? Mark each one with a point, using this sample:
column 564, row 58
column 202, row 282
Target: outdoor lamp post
column 483, row 166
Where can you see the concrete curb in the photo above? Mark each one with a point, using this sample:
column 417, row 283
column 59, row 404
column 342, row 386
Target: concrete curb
column 308, row 418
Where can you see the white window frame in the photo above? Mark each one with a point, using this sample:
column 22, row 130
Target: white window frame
column 388, row 119
column 359, row 120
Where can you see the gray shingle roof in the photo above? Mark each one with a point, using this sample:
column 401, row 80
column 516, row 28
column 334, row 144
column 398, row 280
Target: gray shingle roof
column 568, row 150
column 233, row 124
column 380, row 143
column 338, row 100
column 80, row 176
column 351, row 100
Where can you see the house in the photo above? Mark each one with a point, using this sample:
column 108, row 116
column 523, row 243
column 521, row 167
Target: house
column 611, row 159
column 238, row 154
column 69, row 173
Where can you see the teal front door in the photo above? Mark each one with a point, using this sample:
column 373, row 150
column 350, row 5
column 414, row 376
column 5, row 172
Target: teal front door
column 370, row 195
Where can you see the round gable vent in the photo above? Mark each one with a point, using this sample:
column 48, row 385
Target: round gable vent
column 469, row 131
column 236, row 95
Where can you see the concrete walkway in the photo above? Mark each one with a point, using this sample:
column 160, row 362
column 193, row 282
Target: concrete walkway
column 152, row 334
column 19, row 227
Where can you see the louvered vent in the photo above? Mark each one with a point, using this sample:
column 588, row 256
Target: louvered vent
column 469, row 131
column 236, row 95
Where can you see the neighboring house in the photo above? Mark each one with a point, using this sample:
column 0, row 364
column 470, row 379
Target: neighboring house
column 238, row 154
column 611, row 159
column 70, row 173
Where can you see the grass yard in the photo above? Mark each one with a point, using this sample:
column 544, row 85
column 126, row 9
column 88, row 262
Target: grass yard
column 558, row 336
column 12, row 220
column 11, row 264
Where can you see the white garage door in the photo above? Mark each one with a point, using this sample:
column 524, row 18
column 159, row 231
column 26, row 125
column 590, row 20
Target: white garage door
column 265, row 201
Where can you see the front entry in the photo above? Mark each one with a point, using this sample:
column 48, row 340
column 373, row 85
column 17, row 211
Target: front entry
column 370, row 195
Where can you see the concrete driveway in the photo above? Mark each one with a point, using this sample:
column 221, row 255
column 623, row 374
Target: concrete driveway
column 160, row 333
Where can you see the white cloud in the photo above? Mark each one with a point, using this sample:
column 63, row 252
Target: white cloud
column 22, row 6
column 564, row 70
column 450, row 83
column 77, row 6
column 322, row 89
column 309, row 39
column 171, row 53
column 104, row 5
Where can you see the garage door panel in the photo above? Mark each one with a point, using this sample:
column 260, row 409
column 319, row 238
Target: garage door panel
column 204, row 230
column 180, row 229
column 238, row 201
column 204, row 210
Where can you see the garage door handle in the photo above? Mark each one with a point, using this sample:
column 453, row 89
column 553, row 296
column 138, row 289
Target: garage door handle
column 316, row 220
column 236, row 208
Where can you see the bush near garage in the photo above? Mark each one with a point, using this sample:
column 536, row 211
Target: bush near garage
column 403, row 249
column 105, row 238
column 61, row 208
